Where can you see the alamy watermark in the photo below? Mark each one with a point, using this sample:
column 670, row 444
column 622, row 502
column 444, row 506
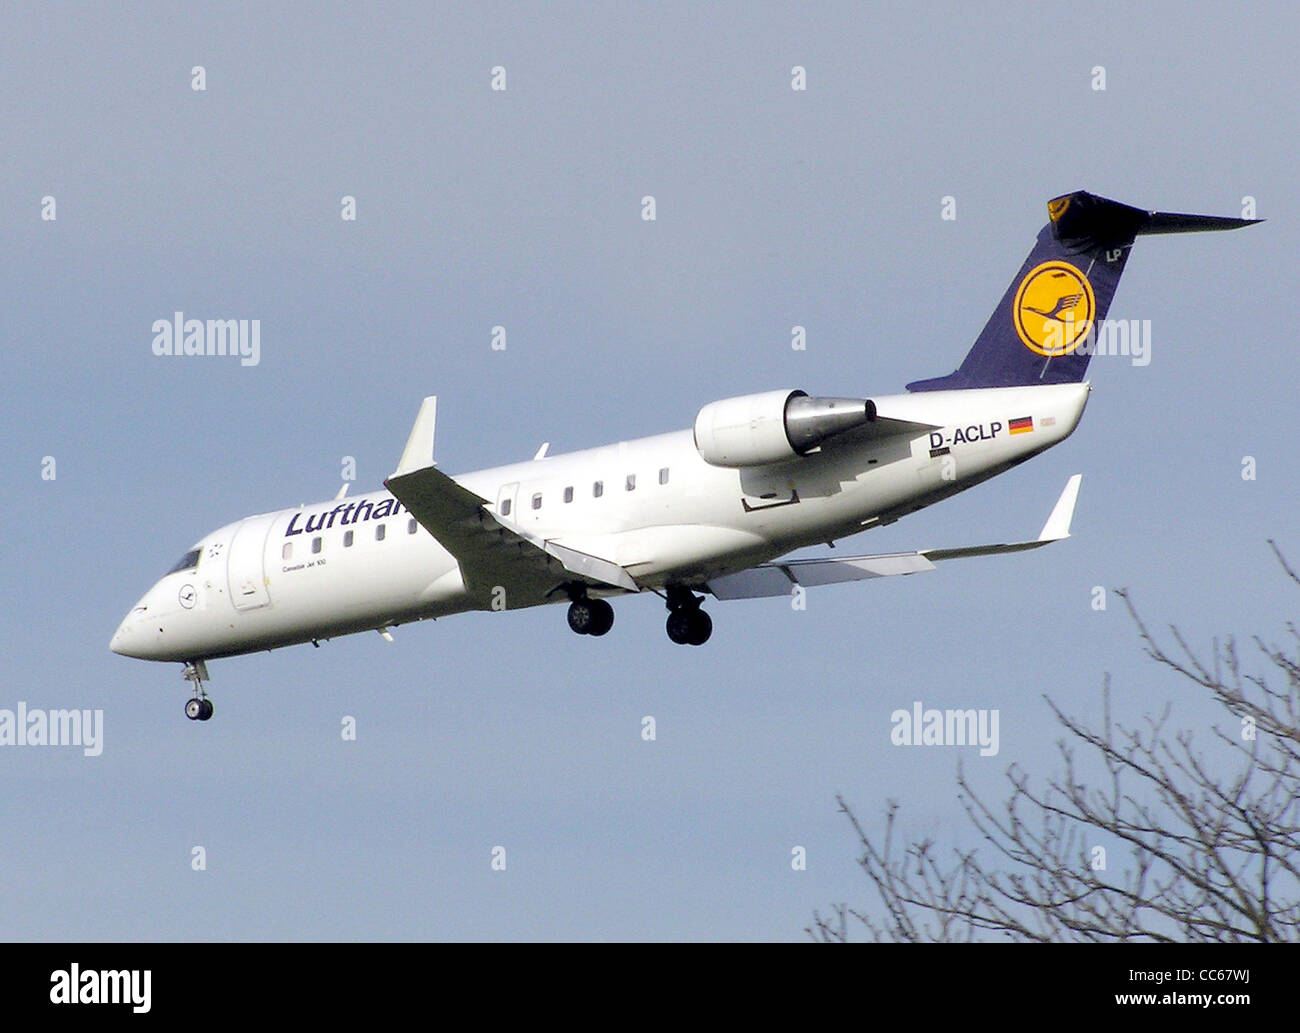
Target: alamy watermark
column 1127, row 337
column 236, row 337
column 37, row 727
column 922, row 727
column 73, row 985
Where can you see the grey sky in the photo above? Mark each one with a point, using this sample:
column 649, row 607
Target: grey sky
column 478, row 208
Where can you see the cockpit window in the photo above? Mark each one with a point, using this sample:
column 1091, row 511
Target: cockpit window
column 187, row 562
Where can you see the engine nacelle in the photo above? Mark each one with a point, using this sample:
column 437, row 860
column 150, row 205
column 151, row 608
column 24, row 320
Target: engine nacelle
column 754, row 430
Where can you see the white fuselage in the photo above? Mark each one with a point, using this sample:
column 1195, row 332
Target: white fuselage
column 660, row 512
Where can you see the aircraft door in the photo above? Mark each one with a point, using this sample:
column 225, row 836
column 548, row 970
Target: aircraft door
column 246, row 563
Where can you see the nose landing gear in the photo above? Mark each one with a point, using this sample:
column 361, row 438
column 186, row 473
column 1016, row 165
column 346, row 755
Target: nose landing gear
column 200, row 707
column 687, row 625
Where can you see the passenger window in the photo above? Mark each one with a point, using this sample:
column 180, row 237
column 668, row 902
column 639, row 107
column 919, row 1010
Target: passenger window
column 568, row 494
column 663, row 475
column 631, row 482
column 315, row 546
column 598, row 489
column 505, row 507
column 537, row 501
column 287, row 552
column 411, row 525
column 379, row 532
column 347, row 539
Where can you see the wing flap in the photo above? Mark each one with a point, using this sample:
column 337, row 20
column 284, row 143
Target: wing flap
column 777, row 579
column 773, row 579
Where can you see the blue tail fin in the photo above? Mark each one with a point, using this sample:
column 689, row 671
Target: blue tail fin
column 1043, row 330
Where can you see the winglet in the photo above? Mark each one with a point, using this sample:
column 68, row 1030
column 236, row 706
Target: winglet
column 419, row 446
column 1058, row 524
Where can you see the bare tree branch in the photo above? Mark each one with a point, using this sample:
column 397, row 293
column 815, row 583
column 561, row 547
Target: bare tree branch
column 1213, row 847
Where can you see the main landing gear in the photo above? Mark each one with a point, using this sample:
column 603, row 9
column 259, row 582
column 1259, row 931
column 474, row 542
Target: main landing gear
column 590, row 616
column 688, row 625
column 200, row 707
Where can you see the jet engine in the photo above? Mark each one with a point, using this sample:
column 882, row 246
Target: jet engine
column 754, row 430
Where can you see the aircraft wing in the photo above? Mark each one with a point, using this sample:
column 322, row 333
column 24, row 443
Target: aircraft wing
column 491, row 552
column 778, row 579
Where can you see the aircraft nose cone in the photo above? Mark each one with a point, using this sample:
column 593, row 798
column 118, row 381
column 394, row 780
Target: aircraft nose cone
column 129, row 638
column 118, row 643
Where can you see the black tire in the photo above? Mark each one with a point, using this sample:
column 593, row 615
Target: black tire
column 701, row 627
column 602, row 617
column 194, row 708
column 582, row 616
column 679, row 627
column 206, row 711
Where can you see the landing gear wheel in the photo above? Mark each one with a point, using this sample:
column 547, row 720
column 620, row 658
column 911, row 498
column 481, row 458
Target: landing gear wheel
column 194, row 709
column 205, row 709
column 582, row 616
column 591, row 616
column 700, row 628
column 679, row 627
column 688, row 625
column 602, row 616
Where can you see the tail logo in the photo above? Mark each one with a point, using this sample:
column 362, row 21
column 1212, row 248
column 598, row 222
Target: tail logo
column 1054, row 308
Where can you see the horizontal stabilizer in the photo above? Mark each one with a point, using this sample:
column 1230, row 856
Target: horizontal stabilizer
column 1083, row 221
column 1170, row 222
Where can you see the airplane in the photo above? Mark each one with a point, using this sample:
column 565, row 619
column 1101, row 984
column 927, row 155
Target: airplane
column 707, row 510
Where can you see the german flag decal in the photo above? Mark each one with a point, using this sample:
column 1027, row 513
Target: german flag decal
column 1024, row 425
